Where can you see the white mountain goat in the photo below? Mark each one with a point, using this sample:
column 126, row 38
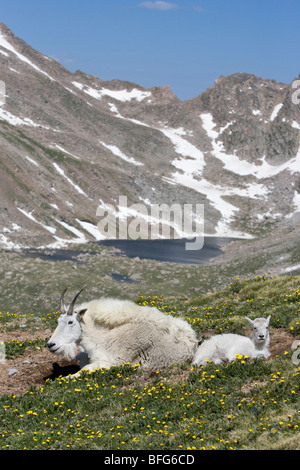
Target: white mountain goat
column 226, row 347
column 113, row 332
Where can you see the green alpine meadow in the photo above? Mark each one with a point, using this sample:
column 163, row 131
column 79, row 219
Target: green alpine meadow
column 238, row 405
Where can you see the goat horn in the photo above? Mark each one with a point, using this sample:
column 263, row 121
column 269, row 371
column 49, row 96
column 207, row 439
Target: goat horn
column 62, row 307
column 71, row 306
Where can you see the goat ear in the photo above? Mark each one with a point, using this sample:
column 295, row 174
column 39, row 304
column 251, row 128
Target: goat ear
column 268, row 319
column 81, row 313
column 250, row 321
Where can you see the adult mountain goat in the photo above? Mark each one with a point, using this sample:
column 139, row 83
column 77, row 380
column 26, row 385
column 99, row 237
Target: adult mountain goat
column 113, row 332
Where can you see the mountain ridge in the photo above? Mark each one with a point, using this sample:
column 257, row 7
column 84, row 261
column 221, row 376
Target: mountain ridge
column 71, row 142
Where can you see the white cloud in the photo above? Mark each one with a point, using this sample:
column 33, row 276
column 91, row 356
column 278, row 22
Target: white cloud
column 158, row 5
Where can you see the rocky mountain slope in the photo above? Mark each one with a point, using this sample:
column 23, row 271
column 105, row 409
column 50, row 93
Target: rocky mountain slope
column 70, row 142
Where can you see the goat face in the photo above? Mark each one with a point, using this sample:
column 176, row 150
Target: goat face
column 66, row 337
column 260, row 329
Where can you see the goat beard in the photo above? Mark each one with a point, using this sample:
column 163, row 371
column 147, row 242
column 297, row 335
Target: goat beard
column 68, row 351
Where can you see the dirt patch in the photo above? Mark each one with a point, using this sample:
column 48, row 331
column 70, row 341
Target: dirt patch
column 33, row 367
column 280, row 341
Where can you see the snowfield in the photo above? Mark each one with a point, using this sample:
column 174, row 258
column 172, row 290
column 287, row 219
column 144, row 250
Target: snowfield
column 193, row 161
column 241, row 167
column 6, row 45
column 119, row 95
column 17, row 121
column 62, row 173
column 116, row 151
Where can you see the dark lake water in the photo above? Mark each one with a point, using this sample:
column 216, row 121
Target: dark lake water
column 170, row 250
column 173, row 251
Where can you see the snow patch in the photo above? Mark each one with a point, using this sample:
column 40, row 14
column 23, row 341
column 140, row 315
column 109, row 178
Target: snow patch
column 241, row 167
column 6, row 45
column 79, row 236
column 114, row 110
column 32, row 161
column 92, row 229
column 62, row 173
column 194, row 163
column 295, row 125
column 30, row 216
column 9, row 245
column 61, row 149
column 296, row 204
column 276, row 111
column 72, row 229
column 16, row 121
column 215, row 194
column 13, row 70
column 119, row 95
column 296, row 201
column 6, row 243
column 291, row 268
column 116, row 151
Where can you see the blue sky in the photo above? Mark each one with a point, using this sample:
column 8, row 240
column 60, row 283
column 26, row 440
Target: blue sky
column 186, row 44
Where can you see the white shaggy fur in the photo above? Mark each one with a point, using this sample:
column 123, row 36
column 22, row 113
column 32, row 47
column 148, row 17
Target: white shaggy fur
column 113, row 332
column 226, row 347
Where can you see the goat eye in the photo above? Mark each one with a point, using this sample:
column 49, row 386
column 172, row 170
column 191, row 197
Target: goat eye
column 70, row 322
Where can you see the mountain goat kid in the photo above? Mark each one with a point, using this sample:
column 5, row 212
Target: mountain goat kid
column 113, row 332
column 226, row 347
